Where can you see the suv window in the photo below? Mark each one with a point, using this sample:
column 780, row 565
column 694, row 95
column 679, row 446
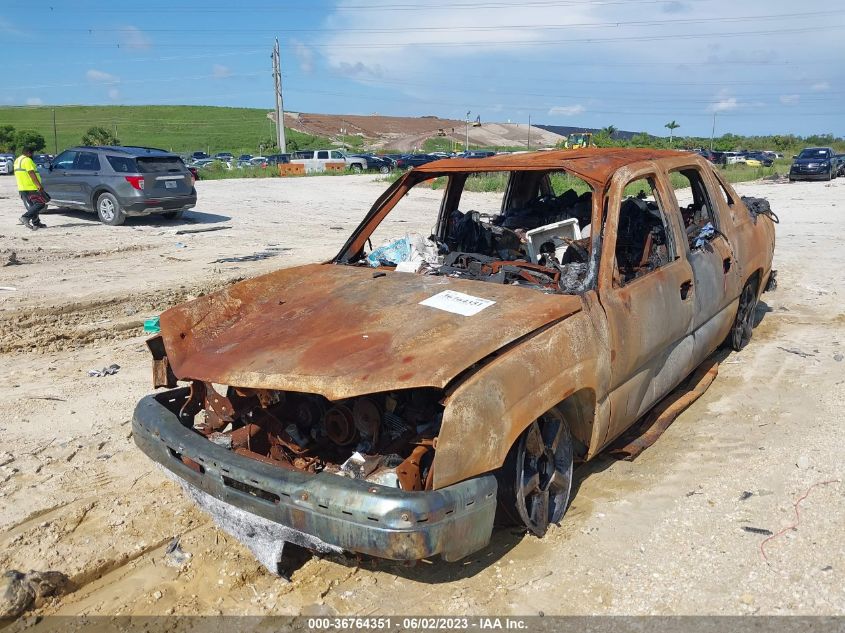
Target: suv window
column 160, row 164
column 87, row 161
column 694, row 202
column 642, row 243
column 303, row 155
column 338, row 155
column 122, row 164
column 64, row 160
column 322, row 155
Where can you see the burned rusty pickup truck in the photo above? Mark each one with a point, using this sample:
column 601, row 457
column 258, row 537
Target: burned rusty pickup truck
column 399, row 399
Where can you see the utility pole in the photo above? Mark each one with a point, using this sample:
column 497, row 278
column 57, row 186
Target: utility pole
column 713, row 132
column 55, row 134
column 280, row 107
column 529, row 132
column 466, row 144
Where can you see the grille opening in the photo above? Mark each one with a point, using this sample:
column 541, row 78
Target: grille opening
column 251, row 490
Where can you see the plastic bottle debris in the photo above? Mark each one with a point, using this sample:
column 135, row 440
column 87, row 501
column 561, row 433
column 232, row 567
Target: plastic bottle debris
column 174, row 555
column 111, row 370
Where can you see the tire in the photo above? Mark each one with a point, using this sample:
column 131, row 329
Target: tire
column 830, row 175
column 535, row 481
column 174, row 215
column 109, row 211
column 356, row 168
column 384, row 169
column 740, row 334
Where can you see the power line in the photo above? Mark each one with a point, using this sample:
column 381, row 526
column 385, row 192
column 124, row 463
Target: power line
column 364, row 7
column 518, row 43
column 449, row 29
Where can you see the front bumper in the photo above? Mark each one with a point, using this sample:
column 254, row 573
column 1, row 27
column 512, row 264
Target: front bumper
column 809, row 175
column 352, row 514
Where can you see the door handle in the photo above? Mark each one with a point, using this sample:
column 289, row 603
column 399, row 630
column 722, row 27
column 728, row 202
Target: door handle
column 686, row 287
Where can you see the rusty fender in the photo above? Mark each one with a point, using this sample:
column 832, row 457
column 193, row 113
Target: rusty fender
column 486, row 413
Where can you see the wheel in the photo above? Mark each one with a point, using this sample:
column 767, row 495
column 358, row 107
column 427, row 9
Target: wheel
column 740, row 333
column 536, row 478
column 384, row 169
column 830, row 175
column 174, row 215
column 109, row 211
column 356, row 167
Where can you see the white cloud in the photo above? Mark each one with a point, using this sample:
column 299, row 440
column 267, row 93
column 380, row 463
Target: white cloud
column 114, row 94
column 34, row 101
column 133, row 37
column 7, row 29
column 219, row 71
column 724, row 103
column 98, row 76
column 790, row 99
column 570, row 110
column 304, row 55
column 821, row 86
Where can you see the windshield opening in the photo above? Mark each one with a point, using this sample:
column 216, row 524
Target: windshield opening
column 524, row 228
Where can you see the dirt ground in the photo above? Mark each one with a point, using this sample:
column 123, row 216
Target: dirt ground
column 409, row 133
column 660, row 535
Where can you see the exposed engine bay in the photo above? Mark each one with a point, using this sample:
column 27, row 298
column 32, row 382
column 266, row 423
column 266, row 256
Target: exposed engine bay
column 387, row 439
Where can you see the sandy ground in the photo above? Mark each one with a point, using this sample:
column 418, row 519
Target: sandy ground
column 662, row 534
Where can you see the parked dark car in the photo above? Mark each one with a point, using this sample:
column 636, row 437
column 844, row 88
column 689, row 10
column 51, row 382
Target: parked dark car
column 277, row 159
column 477, row 153
column 814, row 163
column 840, row 159
column 42, row 160
column 407, row 161
column 710, row 155
column 116, row 182
column 226, row 157
column 377, row 163
column 245, row 157
column 199, row 156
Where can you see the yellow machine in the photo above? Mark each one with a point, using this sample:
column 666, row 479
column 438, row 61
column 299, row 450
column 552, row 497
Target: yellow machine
column 578, row 141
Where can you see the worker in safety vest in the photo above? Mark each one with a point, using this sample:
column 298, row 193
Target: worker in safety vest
column 32, row 192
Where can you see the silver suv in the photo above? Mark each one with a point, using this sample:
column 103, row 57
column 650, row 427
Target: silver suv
column 116, row 182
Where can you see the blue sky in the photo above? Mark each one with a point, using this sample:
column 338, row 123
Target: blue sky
column 762, row 66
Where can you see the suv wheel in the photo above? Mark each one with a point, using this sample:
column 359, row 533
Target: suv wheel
column 356, row 167
column 109, row 211
column 536, row 479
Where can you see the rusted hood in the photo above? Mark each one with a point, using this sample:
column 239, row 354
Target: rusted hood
column 340, row 331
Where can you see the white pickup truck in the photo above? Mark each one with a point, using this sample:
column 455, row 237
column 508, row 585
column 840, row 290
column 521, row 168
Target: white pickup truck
column 316, row 160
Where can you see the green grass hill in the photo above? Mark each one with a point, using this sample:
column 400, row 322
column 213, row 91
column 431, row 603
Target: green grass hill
column 175, row 128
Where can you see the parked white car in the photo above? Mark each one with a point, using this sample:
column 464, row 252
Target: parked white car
column 7, row 164
column 315, row 160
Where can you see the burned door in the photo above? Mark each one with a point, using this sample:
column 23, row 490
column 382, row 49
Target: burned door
column 714, row 266
column 647, row 290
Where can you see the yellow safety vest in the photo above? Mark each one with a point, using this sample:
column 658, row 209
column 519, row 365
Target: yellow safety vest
column 23, row 165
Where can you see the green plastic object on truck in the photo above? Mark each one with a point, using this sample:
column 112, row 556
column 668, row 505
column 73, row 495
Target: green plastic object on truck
column 151, row 325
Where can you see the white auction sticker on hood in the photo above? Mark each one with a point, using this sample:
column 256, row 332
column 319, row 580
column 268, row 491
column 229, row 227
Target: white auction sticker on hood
column 457, row 303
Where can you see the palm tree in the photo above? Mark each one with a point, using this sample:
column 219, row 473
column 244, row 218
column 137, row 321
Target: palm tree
column 610, row 130
column 672, row 125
